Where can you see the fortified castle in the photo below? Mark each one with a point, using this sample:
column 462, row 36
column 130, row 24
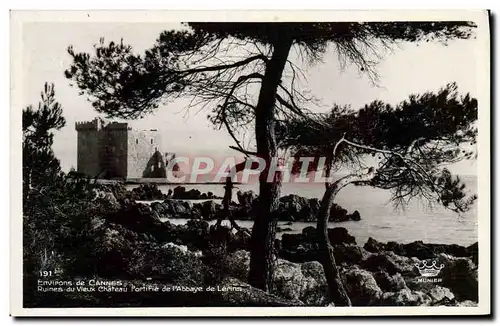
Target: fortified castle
column 116, row 151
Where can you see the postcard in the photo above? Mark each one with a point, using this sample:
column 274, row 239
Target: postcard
column 256, row 163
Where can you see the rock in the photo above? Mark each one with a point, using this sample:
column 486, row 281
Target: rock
column 240, row 264
column 388, row 283
column 161, row 209
column 473, row 252
column 349, row 254
column 246, row 198
column 294, row 208
column 315, row 292
column 314, row 205
column 309, row 233
column 391, row 263
column 193, row 194
column 395, row 247
column 405, row 297
column 179, row 192
column 288, row 279
column 340, row 235
column 460, row 276
column 439, row 294
column 417, row 249
column 147, row 192
column 373, row 245
column 304, row 282
column 361, row 287
column 355, row 216
column 466, row 303
column 233, row 292
column 304, row 247
column 209, row 210
column 138, row 218
column 338, row 214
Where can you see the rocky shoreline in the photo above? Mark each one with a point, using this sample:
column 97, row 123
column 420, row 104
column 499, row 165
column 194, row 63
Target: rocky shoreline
column 292, row 208
column 131, row 243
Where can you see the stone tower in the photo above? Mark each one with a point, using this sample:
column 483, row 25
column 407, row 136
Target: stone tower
column 116, row 151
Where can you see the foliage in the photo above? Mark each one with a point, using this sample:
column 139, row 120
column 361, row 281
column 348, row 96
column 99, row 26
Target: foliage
column 56, row 209
column 222, row 65
column 39, row 162
column 413, row 143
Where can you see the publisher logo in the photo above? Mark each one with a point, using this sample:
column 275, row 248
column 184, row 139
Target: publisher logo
column 429, row 272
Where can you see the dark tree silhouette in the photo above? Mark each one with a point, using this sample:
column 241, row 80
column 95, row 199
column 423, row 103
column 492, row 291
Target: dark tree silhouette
column 411, row 145
column 244, row 73
column 39, row 162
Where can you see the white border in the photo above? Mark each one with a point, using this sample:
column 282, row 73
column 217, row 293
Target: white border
column 483, row 54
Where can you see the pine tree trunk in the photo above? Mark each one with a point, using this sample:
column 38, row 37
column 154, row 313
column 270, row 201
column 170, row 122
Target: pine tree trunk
column 336, row 289
column 338, row 294
column 264, row 228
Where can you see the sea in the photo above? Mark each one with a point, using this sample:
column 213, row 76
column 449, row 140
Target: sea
column 379, row 218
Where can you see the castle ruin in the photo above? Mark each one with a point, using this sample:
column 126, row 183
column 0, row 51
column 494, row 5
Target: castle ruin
column 116, row 151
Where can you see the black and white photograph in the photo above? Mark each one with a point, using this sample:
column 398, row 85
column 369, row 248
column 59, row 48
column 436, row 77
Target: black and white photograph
column 250, row 163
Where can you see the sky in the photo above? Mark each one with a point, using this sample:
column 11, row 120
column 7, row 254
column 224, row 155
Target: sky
column 408, row 69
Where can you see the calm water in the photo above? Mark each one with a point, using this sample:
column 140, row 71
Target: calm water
column 380, row 219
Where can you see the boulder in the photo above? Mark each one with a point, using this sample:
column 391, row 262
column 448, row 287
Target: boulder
column 405, row 297
column 374, row 246
column 440, row 294
column 389, row 283
column 246, row 198
column 239, row 264
column 161, row 209
column 460, row 276
column 355, row 216
column 179, row 192
column 294, row 208
column 303, row 282
column 338, row 214
column 391, row 263
column 315, row 292
column 340, row 235
column 361, row 287
column 349, row 254
column 209, row 210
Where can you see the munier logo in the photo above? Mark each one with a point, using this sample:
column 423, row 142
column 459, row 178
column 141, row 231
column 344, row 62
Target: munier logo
column 429, row 270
